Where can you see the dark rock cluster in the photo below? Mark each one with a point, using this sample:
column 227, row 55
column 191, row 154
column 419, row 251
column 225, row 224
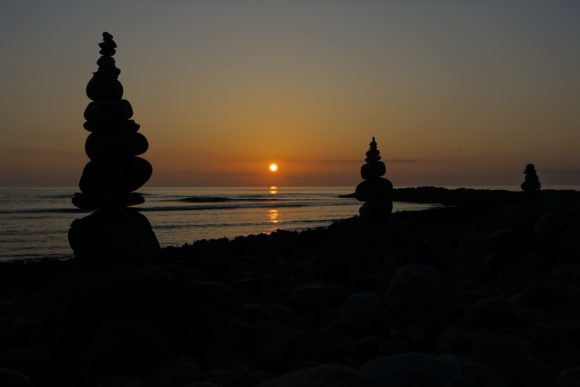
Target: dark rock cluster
column 531, row 179
column 375, row 190
column 481, row 294
column 114, row 171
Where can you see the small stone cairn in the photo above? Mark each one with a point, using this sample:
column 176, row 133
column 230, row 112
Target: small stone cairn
column 109, row 180
column 531, row 180
column 375, row 190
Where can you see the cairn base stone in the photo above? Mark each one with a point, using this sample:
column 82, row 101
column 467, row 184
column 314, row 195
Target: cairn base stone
column 122, row 234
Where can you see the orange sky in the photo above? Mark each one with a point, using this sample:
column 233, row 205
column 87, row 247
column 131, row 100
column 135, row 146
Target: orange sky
column 457, row 93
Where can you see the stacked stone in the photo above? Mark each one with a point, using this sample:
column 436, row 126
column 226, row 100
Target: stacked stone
column 375, row 190
column 113, row 173
column 531, row 180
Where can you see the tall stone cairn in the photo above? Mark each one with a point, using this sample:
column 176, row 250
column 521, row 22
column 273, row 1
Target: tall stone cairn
column 531, row 179
column 375, row 190
column 114, row 171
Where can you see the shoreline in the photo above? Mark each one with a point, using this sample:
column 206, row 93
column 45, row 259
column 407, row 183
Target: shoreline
column 439, row 196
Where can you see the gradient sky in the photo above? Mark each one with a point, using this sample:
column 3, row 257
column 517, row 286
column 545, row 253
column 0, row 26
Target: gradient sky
column 456, row 92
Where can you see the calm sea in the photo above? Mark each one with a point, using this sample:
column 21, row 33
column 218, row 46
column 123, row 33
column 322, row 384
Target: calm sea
column 34, row 222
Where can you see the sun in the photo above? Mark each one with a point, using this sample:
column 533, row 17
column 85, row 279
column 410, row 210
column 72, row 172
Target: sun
column 273, row 167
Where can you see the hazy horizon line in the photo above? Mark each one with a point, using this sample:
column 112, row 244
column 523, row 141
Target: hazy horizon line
column 450, row 186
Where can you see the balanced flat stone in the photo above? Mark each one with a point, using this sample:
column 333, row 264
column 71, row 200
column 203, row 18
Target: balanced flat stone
column 115, row 175
column 107, row 110
column 101, row 145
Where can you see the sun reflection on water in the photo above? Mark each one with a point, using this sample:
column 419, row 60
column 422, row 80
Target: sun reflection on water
column 273, row 190
column 274, row 216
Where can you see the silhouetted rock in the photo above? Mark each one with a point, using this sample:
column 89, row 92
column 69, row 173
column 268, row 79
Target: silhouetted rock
column 115, row 176
column 422, row 369
column 531, row 182
column 120, row 144
column 508, row 356
column 569, row 249
column 218, row 296
column 457, row 340
column 312, row 295
column 318, row 376
column 93, row 202
column 250, row 310
column 109, row 180
column 570, row 377
column 415, row 292
column 493, row 314
column 107, row 111
column 129, row 348
column 544, row 294
column 13, row 378
column 113, row 234
column 237, row 375
column 117, row 381
column 37, row 364
column 270, row 333
column 174, row 374
column 375, row 190
column 287, row 353
column 363, row 310
column 114, row 143
column 567, row 274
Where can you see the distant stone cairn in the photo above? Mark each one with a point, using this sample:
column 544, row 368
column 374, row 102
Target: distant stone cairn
column 109, row 180
column 531, row 179
column 375, row 190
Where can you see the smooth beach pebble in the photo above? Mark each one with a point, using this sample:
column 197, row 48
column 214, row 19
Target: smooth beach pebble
column 363, row 310
column 318, row 376
column 421, row 369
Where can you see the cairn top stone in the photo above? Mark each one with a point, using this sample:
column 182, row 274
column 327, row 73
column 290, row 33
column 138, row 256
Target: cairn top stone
column 373, row 168
column 373, row 154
